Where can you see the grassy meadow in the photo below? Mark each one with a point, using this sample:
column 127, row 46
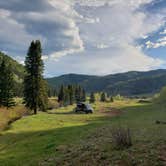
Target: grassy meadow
column 61, row 137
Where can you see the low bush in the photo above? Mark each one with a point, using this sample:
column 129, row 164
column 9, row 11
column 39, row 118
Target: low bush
column 161, row 97
column 52, row 104
column 121, row 138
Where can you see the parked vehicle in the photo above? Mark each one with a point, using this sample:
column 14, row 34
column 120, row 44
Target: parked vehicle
column 83, row 107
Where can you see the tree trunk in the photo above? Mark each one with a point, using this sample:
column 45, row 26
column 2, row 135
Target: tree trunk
column 35, row 111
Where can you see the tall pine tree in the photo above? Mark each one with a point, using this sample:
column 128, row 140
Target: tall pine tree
column 35, row 88
column 6, row 84
column 61, row 95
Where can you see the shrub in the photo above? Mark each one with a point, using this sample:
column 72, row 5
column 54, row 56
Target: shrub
column 52, row 104
column 161, row 97
column 119, row 97
column 111, row 99
column 121, row 138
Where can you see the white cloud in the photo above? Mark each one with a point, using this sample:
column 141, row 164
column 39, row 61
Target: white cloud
column 105, row 62
column 99, row 35
column 20, row 60
column 164, row 32
column 57, row 55
column 102, row 46
column 160, row 43
column 45, row 57
column 97, row 3
column 56, row 27
column 12, row 31
column 4, row 13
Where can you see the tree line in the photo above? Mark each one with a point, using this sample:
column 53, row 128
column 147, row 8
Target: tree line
column 71, row 94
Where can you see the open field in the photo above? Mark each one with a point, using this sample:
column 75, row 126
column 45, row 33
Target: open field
column 65, row 138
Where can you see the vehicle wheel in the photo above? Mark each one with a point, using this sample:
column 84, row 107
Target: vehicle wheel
column 90, row 111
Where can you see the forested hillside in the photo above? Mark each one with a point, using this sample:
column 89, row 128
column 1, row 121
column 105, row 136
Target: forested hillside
column 130, row 83
column 17, row 68
column 18, row 71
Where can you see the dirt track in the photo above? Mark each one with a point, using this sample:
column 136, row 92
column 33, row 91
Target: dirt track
column 111, row 111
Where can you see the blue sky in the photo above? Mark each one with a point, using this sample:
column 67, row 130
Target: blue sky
column 96, row 37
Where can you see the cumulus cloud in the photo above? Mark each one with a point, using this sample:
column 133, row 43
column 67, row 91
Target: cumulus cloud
column 52, row 21
column 85, row 36
column 101, row 62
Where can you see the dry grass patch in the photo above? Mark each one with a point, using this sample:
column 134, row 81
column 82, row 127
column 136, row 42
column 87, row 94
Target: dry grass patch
column 8, row 116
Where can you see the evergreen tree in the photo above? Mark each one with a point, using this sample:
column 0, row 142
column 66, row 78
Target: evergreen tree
column 77, row 94
column 83, row 95
column 61, row 95
column 111, row 99
column 66, row 101
column 54, row 92
column 35, row 87
column 49, row 92
column 103, row 97
column 71, row 94
column 6, row 85
column 92, row 98
column 43, row 96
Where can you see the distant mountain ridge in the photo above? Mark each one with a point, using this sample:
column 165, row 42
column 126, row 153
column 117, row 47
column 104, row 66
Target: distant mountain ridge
column 129, row 83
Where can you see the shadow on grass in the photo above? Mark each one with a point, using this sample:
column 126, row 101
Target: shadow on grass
column 28, row 148
column 68, row 113
column 62, row 113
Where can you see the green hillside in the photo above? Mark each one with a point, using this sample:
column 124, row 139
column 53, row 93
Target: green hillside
column 18, row 71
column 130, row 83
column 17, row 68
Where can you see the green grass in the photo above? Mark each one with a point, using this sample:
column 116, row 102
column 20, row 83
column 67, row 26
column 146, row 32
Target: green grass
column 149, row 139
column 35, row 139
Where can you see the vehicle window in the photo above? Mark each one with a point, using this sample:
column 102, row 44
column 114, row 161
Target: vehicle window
column 88, row 106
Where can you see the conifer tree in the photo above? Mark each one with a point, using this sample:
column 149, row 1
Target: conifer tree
column 49, row 92
column 111, row 99
column 71, row 94
column 77, row 94
column 92, row 98
column 83, row 95
column 61, row 95
column 66, row 97
column 6, row 85
column 35, row 87
column 54, row 92
column 103, row 97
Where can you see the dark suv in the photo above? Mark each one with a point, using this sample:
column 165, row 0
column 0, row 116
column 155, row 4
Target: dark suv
column 83, row 107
